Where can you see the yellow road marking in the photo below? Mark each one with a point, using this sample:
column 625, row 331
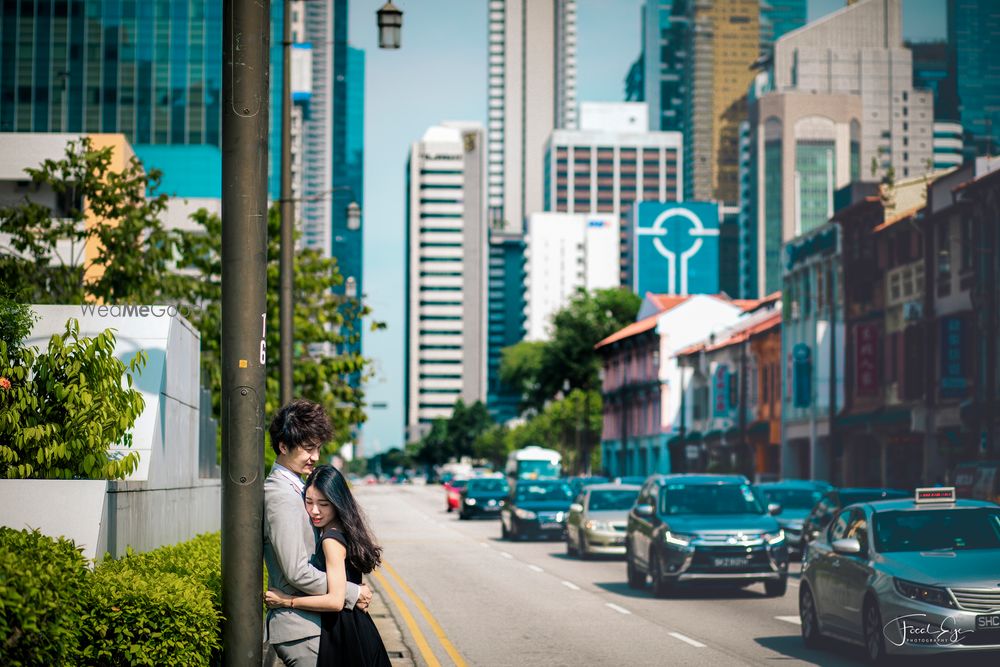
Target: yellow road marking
column 411, row 623
column 456, row 658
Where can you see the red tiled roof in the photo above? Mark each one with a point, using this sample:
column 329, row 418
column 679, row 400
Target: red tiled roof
column 666, row 301
column 899, row 217
column 737, row 336
column 633, row 329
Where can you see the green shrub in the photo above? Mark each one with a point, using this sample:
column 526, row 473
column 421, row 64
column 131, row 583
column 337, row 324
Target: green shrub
column 132, row 618
column 61, row 409
column 42, row 583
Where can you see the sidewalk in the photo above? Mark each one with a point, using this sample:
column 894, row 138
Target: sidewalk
column 388, row 628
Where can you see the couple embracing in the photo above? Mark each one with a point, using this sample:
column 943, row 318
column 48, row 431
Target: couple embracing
column 317, row 546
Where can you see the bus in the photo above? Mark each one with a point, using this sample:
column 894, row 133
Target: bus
column 534, row 462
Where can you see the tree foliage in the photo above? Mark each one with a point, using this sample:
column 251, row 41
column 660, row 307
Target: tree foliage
column 101, row 241
column 456, row 436
column 62, row 409
column 326, row 324
column 567, row 361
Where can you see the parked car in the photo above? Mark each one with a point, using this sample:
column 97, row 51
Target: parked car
column 796, row 497
column 453, row 491
column 703, row 529
column 535, row 509
column 637, row 480
column 483, row 496
column 836, row 499
column 918, row 576
column 576, row 484
column 597, row 520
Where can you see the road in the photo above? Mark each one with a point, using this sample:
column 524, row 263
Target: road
column 466, row 597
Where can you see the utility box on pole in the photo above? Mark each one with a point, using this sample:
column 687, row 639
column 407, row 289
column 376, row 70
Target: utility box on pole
column 246, row 28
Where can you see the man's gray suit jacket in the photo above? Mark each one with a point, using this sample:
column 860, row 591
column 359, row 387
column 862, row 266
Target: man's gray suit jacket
column 289, row 543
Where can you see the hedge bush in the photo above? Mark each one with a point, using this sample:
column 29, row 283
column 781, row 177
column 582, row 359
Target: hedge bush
column 155, row 608
column 42, row 585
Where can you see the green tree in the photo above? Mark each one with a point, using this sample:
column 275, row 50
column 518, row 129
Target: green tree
column 115, row 214
column 492, row 445
column 325, row 323
column 568, row 361
column 456, row 436
column 60, row 410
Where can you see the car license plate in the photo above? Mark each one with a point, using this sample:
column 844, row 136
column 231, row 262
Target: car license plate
column 988, row 622
column 551, row 525
column 729, row 562
column 492, row 508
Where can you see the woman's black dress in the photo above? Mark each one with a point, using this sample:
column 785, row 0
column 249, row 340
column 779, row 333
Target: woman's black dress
column 348, row 637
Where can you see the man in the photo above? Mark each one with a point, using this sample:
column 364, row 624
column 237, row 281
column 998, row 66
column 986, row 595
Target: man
column 298, row 432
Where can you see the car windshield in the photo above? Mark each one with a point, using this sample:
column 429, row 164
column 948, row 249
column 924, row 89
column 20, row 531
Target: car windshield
column 488, row 486
column 537, row 469
column 459, row 483
column 709, row 499
column 796, row 499
column 543, row 492
column 611, row 500
column 938, row 530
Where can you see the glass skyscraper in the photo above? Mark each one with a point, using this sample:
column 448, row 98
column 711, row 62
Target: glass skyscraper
column 149, row 69
column 972, row 26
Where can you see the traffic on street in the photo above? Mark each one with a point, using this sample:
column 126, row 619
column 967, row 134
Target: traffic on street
column 476, row 594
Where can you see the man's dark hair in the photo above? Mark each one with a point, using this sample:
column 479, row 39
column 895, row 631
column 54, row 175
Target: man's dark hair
column 298, row 423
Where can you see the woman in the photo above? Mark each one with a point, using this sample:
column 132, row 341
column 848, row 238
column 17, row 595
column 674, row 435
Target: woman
column 346, row 551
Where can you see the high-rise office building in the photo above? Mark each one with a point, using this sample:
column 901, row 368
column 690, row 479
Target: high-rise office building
column 565, row 253
column 778, row 17
column 859, row 50
column 722, row 40
column 972, row 26
column 532, row 91
column 607, row 171
column 930, row 72
column 149, row 70
column 506, row 325
column 350, row 179
column 446, row 274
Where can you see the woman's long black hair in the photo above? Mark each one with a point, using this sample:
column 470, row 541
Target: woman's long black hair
column 362, row 551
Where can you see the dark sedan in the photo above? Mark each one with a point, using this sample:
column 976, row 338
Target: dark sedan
column 536, row 509
column 836, row 499
column 797, row 498
column 483, row 496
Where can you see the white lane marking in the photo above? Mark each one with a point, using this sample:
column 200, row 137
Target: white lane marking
column 686, row 639
column 505, row 554
column 620, row 610
column 535, row 568
column 570, row 585
column 794, row 620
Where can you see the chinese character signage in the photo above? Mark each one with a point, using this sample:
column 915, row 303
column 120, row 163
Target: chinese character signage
column 676, row 248
column 866, row 360
column 720, row 385
column 953, row 382
column 801, row 376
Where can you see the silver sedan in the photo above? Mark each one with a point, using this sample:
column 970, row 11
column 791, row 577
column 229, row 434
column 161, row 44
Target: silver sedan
column 597, row 520
column 906, row 577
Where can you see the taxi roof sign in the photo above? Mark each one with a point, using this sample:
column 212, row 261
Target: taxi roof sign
column 935, row 494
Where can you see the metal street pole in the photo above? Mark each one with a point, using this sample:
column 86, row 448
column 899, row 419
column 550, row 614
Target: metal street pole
column 287, row 265
column 246, row 32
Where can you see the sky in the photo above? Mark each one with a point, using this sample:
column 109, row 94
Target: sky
column 439, row 74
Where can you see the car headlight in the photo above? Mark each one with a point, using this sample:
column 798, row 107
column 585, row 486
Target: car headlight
column 922, row 593
column 678, row 539
column 470, row 501
column 598, row 525
column 775, row 538
column 524, row 514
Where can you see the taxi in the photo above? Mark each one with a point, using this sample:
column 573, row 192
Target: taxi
column 906, row 577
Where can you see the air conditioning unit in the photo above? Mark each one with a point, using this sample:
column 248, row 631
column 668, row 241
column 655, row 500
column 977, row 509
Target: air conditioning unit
column 913, row 311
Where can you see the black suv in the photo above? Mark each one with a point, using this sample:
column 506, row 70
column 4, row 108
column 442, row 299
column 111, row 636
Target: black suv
column 704, row 529
column 832, row 502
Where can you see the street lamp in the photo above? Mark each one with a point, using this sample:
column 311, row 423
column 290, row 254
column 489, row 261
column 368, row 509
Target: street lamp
column 390, row 24
column 353, row 216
